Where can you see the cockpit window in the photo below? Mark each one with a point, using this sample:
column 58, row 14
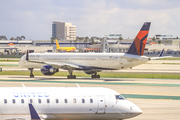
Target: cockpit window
column 119, row 97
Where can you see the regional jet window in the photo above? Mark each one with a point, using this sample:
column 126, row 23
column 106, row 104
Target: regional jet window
column 101, row 100
column 65, row 100
column 48, row 101
column 22, row 100
column 5, row 101
column 74, row 100
column 91, row 100
column 13, row 101
column 31, row 101
column 39, row 100
column 119, row 97
column 57, row 101
column 83, row 100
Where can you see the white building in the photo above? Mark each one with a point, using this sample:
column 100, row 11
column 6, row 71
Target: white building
column 63, row 31
column 163, row 37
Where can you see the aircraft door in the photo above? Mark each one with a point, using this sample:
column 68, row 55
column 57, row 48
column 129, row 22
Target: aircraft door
column 101, row 105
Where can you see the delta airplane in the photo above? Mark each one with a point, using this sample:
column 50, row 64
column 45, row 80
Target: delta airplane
column 64, row 48
column 90, row 63
column 64, row 103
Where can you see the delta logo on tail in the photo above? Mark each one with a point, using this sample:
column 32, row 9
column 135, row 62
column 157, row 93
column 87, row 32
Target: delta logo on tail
column 138, row 46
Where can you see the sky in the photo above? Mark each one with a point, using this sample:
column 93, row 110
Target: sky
column 33, row 18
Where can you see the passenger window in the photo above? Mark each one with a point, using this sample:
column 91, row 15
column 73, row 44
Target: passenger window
column 83, row 100
column 91, row 100
column 22, row 100
column 5, row 101
column 13, row 101
column 39, row 100
column 119, row 97
column 74, row 100
column 31, row 101
column 65, row 100
column 48, row 101
column 57, row 101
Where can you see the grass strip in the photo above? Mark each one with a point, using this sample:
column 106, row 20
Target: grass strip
column 6, row 60
column 102, row 74
column 170, row 58
column 151, row 96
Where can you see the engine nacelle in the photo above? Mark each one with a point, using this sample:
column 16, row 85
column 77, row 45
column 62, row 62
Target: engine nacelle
column 48, row 70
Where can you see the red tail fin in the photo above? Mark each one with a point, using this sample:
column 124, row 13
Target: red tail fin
column 138, row 45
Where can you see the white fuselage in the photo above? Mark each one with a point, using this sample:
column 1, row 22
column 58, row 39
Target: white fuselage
column 74, row 103
column 102, row 61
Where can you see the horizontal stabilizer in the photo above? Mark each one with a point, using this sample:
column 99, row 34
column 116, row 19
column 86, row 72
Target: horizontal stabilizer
column 155, row 58
column 33, row 113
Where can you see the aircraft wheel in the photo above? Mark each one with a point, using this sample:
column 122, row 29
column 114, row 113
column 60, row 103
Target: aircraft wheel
column 68, row 77
column 92, row 76
column 74, row 76
column 31, row 76
column 98, row 76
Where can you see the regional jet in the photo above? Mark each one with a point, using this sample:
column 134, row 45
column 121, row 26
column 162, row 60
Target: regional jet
column 90, row 63
column 64, row 103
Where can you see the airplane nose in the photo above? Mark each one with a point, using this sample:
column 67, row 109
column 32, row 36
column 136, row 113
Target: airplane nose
column 134, row 110
column 129, row 109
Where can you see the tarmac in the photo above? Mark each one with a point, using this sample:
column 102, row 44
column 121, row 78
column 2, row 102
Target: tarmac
column 158, row 98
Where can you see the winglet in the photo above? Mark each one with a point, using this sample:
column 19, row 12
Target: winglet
column 27, row 56
column 33, row 113
column 57, row 45
column 161, row 53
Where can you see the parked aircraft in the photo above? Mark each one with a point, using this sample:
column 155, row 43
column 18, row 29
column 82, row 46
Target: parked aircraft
column 90, row 63
column 67, row 49
column 63, row 103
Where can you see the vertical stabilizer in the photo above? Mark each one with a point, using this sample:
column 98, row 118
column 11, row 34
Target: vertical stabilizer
column 138, row 45
column 57, row 45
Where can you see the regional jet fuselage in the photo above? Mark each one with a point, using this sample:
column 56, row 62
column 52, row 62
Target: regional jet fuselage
column 64, row 103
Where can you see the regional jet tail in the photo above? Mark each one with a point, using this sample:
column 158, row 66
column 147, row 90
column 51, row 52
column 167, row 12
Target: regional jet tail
column 90, row 63
column 57, row 103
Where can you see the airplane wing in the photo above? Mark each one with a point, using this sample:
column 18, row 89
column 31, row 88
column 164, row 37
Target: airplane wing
column 54, row 64
column 63, row 65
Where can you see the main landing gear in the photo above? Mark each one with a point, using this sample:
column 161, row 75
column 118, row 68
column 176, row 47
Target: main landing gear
column 95, row 76
column 71, row 76
column 31, row 72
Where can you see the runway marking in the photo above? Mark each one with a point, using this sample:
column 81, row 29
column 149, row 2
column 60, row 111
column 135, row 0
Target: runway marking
column 151, row 96
column 107, row 83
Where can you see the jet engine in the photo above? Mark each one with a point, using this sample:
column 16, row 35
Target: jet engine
column 48, row 70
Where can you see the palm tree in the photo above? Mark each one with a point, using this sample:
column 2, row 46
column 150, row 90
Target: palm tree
column 86, row 39
column 120, row 38
column 23, row 37
column 11, row 38
column 52, row 40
